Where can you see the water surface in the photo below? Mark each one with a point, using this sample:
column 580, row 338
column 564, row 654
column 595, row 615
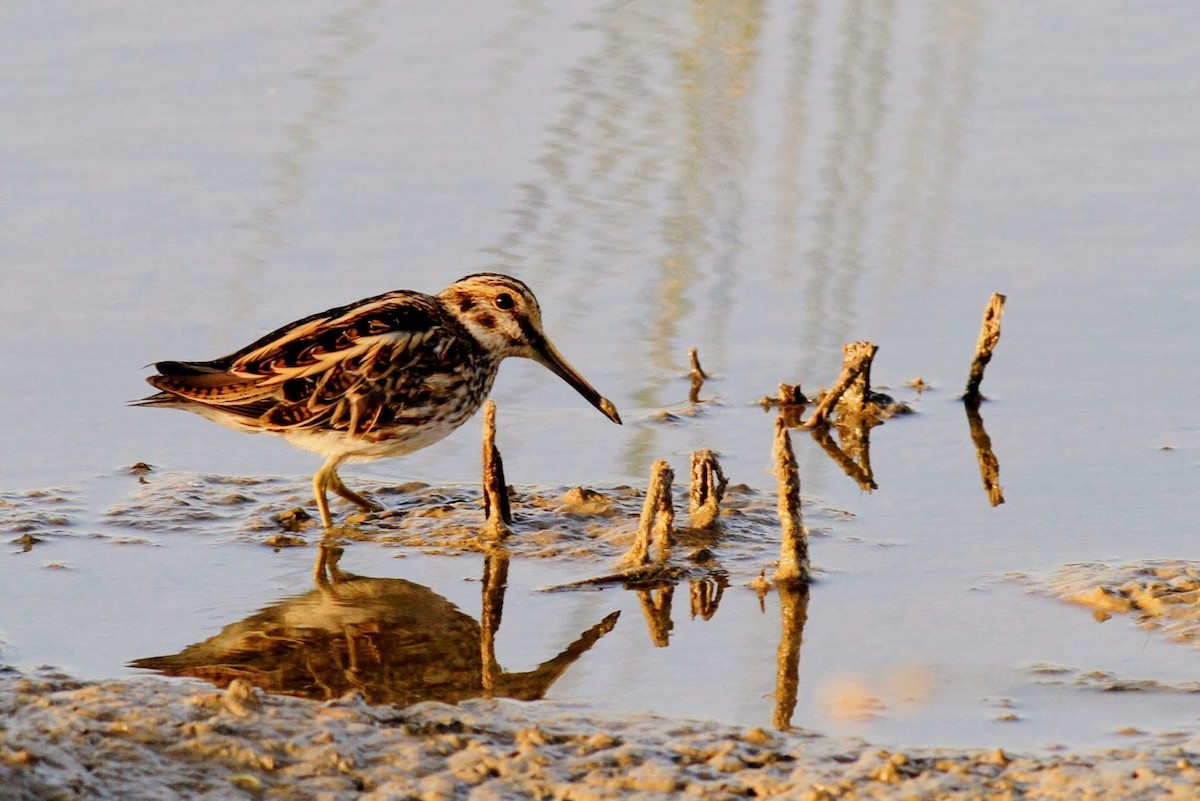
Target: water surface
column 762, row 181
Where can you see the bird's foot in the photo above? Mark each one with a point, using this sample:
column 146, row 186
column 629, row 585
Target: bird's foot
column 361, row 501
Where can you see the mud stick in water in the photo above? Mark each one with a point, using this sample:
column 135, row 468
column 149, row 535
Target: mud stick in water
column 989, row 337
column 793, row 548
column 655, row 528
column 790, row 401
column 495, row 491
column 707, row 489
column 853, row 383
column 658, row 517
column 697, row 375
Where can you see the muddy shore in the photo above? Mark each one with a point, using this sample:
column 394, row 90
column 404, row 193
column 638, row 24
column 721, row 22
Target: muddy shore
column 150, row 738
column 157, row 738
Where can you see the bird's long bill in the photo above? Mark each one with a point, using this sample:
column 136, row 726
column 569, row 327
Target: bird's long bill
column 545, row 353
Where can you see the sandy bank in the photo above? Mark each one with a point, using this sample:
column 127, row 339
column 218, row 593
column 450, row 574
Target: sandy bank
column 148, row 738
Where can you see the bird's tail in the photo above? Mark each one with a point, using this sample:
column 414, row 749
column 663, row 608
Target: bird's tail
column 205, row 384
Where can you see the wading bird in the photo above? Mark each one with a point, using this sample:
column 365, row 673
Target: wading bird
column 385, row 376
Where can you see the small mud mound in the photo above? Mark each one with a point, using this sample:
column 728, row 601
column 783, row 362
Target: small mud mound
column 1161, row 595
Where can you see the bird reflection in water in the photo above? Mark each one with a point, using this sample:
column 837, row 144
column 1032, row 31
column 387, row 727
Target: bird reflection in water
column 393, row 641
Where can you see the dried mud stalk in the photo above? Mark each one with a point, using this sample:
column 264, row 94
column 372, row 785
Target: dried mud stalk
column 791, row 401
column 658, row 517
column 707, row 489
column 790, row 395
column 495, row 492
column 853, row 384
column 858, row 355
column 793, row 549
column 655, row 528
column 697, row 375
column 989, row 337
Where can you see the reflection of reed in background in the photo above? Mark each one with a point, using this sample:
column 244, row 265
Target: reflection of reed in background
column 789, row 189
column 701, row 230
column 835, row 262
column 651, row 150
column 347, row 34
column 646, row 177
column 849, row 254
column 932, row 142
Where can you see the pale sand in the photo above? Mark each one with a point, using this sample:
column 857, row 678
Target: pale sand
column 149, row 738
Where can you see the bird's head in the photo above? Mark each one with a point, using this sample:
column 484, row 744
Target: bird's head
column 503, row 315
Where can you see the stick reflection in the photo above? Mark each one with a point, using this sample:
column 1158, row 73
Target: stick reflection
column 853, row 456
column 793, row 614
column 656, row 606
column 989, row 465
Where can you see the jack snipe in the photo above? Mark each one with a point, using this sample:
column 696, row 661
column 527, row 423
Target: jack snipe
column 385, row 376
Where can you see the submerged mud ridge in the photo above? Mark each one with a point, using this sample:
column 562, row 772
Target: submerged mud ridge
column 153, row 739
column 31, row 515
column 562, row 522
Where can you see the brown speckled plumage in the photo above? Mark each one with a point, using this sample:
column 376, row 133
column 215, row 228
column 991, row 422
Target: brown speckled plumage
column 385, row 376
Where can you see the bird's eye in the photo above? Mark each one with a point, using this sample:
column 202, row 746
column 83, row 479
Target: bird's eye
column 504, row 301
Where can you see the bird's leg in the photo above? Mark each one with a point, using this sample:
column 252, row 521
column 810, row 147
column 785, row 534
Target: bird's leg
column 335, row 484
column 321, row 481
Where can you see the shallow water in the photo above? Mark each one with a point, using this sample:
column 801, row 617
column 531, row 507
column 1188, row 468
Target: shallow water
column 762, row 181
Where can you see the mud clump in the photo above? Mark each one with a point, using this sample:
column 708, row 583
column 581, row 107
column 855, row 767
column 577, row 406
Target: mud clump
column 1161, row 595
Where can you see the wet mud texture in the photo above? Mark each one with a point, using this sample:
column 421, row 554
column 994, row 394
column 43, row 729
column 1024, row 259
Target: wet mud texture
column 152, row 739
column 576, row 523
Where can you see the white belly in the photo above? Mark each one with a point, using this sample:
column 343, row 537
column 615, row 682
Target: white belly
column 359, row 449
